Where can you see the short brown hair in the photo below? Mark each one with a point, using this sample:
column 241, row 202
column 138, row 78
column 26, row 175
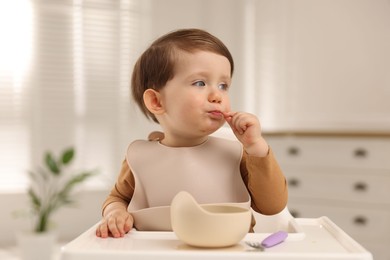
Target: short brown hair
column 156, row 65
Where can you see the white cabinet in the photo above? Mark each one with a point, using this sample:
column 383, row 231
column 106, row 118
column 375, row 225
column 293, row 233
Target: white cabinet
column 346, row 178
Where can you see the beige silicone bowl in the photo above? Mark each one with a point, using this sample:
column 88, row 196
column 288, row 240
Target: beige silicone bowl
column 210, row 225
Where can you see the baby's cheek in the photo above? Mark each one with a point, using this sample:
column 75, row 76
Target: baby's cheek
column 192, row 104
column 226, row 107
column 185, row 111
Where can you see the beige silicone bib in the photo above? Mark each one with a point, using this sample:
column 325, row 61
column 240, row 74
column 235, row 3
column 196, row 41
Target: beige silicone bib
column 209, row 172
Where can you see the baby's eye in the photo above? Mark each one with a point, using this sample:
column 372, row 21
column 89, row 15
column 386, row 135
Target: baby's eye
column 223, row 86
column 199, row 83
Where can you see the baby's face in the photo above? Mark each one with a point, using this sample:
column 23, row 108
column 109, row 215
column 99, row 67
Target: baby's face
column 197, row 95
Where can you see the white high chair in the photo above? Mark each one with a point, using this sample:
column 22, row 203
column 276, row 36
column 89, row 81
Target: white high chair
column 311, row 239
column 264, row 223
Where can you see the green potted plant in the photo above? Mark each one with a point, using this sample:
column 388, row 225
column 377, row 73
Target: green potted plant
column 50, row 188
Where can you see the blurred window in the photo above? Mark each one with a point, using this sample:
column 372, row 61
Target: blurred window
column 64, row 81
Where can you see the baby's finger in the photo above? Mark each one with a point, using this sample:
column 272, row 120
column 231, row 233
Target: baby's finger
column 239, row 123
column 229, row 119
column 98, row 233
column 120, row 224
column 112, row 226
column 128, row 224
column 228, row 115
column 102, row 230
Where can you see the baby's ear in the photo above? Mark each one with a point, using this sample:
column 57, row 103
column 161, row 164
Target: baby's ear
column 152, row 100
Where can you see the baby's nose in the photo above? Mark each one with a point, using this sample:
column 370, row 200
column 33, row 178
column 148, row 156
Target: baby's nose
column 215, row 97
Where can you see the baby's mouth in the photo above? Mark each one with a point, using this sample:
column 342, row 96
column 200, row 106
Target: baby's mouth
column 216, row 114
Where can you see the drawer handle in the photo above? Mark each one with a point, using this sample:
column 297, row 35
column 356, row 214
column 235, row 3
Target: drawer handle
column 360, row 187
column 360, row 153
column 293, row 182
column 293, row 151
column 360, row 221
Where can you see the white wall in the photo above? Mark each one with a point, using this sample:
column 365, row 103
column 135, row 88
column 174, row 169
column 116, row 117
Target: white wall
column 324, row 65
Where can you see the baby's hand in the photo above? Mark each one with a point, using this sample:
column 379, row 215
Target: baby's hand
column 247, row 129
column 116, row 224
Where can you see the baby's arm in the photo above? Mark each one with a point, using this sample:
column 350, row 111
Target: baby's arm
column 117, row 221
column 247, row 129
column 265, row 182
column 259, row 170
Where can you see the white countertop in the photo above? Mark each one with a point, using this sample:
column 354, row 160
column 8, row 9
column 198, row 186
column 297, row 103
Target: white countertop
column 322, row 239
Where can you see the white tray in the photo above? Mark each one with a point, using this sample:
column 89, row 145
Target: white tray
column 317, row 239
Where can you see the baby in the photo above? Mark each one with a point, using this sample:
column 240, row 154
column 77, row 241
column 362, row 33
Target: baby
column 182, row 82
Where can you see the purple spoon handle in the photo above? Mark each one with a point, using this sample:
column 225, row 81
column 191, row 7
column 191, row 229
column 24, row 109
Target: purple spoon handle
column 274, row 239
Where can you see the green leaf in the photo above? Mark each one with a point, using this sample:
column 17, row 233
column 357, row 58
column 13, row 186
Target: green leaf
column 62, row 201
column 75, row 180
column 43, row 222
column 36, row 202
column 67, row 156
column 63, row 196
column 51, row 164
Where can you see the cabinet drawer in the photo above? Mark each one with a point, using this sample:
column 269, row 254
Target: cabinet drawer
column 359, row 185
column 363, row 224
column 322, row 151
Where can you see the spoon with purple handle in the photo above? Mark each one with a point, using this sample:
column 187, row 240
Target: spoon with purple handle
column 270, row 241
